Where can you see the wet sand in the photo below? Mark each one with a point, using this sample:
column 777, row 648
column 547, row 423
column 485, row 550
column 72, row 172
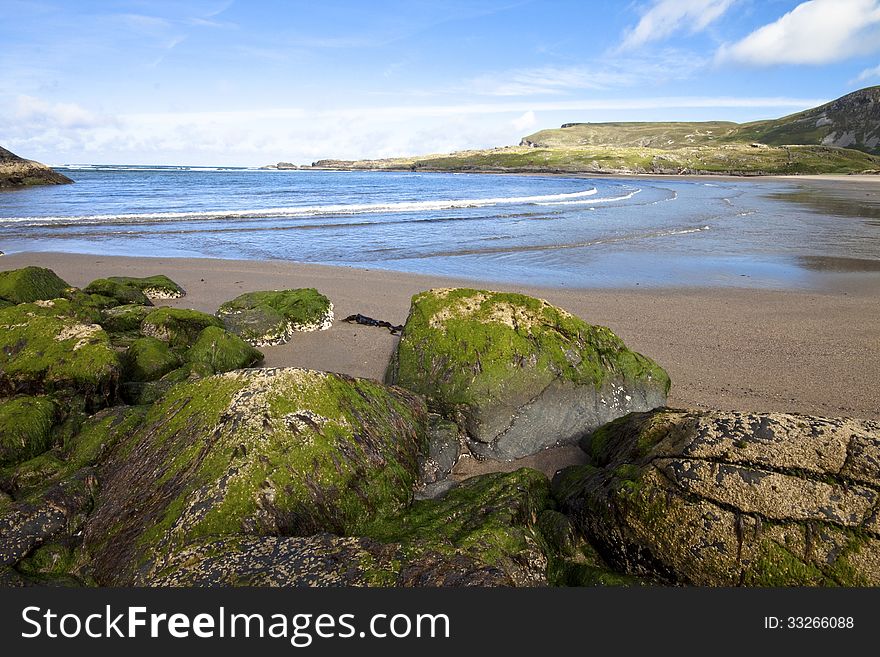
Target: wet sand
column 735, row 349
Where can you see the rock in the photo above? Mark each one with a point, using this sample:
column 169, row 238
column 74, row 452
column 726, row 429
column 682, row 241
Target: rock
column 122, row 294
column 482, row 534
column 54, row 512
column 26, row 428
column 41, row 353
column 434, row 490
column 154, row 287
column 31, row 284
column 148, row 359
column 516, row 374
column 727, row 499
column 55, row 559
column 490, row 518
column 222, row 351
column 124, row 318
column 321, row 560
column 15, row 171
column 178, row 326
column 268, row 318
column 444, row 449
column 260, row 452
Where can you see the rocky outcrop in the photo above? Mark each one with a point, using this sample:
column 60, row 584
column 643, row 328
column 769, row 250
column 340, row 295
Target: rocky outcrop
column 517, row 374
column 321, row 560
column 46, row 348
column 15, row 171
column 483, row 533
column 30, row 284
column 260, row 452
column 272, row 317
column 727, row 499
column 180, row 327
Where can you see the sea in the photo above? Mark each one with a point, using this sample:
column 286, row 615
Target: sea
column 545, row 230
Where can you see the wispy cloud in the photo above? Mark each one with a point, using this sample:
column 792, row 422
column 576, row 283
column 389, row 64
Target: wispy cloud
column 868, row 74
column 604, row 74
column 814, row 32
column 665, row 17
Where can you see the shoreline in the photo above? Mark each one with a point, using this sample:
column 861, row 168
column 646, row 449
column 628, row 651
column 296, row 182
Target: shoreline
column 813, row 352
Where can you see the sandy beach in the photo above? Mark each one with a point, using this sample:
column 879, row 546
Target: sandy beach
column 734, row 349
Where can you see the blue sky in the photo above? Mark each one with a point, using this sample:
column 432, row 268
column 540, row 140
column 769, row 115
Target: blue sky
column 248, row 82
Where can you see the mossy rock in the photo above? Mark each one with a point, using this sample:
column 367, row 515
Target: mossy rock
column 322, row 560
column 272, row 317
column 54, row 513
column 491, row 518
column 222, row 351
column 31, row 284
column 44, row 353
column 260, row 452
column 27, row 476
column 53, row 560
column 148, row 359
column 154, row 287
column 727, row 499
column 122, row 294
column 517, row 374
column 125, row 318
column 180, row 327
column 26, row 428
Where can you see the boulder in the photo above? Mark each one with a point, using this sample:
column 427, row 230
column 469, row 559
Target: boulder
column 222, row 351
column 154, row 287
column 260, row 452
column 321, row 560
column 727, row 499
column 55, row 511
column 272, row 317
column 26, row 428
column 122, row 294
column 490, row 518
column 444, row 450
column 517, row 374
column 31, row 284
column 125, row 318
column 43, row 350
column 180, row 327
column 148, row 359
column 16, row 171
column 483, row 533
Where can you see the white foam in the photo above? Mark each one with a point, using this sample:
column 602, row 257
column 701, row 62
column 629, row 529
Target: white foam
column 601, row 199
column 302, row 211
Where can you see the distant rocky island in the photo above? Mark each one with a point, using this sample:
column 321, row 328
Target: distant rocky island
column 16, row 171
column 841, row 137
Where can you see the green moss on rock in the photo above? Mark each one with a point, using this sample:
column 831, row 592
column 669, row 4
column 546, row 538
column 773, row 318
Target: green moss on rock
column 26, row 428
column 502, row 365
column 44, row 353
column 222, row 351
column 180, row 327
column 125, row 318
column 31, row 284
column 154, row 287
column 122, row 294
column 148, row 359
column 283, row 451
column 271, row 317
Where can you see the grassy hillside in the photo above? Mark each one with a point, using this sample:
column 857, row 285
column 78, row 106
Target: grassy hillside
column 842, row 136
column 734, row 159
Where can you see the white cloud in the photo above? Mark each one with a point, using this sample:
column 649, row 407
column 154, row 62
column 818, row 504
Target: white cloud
column 868, row 74
column 668, row 16
column 527, row 120
column 60, row 132
column 814, row 32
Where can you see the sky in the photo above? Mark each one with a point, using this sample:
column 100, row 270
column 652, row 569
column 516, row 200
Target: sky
column 252, row 82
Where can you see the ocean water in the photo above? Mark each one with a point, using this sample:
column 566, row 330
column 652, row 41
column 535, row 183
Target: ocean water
column 539, row 230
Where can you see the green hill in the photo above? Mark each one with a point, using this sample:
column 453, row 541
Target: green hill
column 852, row 121
column 842, row 136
